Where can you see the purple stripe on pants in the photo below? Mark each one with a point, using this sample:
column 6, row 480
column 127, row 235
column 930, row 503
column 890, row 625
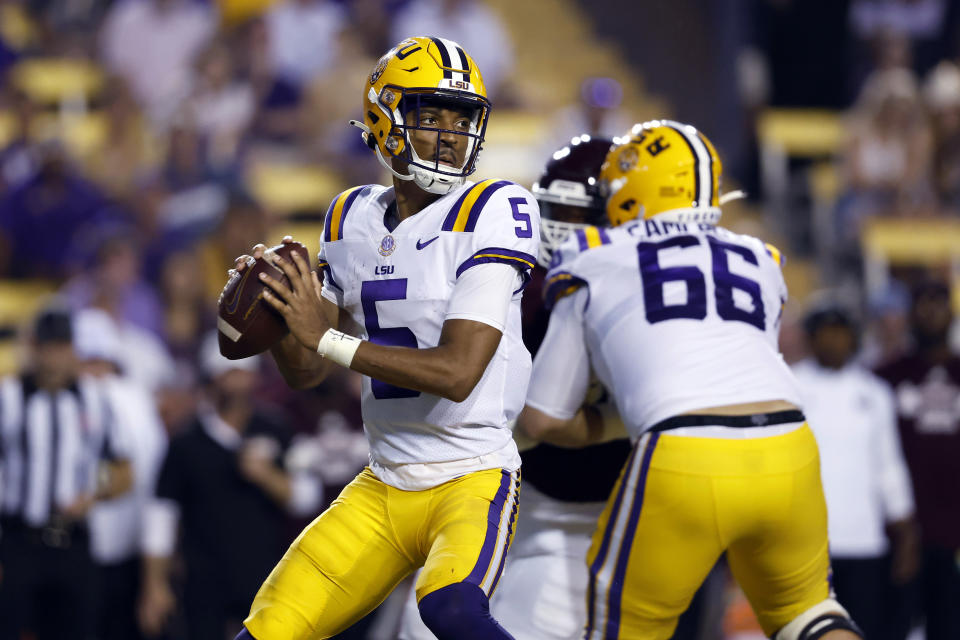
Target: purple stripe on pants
column 616, row 589
column 605, row 544
column 493, row 527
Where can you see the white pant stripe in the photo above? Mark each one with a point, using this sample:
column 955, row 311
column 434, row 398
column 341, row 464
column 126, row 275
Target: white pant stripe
column 605, row 574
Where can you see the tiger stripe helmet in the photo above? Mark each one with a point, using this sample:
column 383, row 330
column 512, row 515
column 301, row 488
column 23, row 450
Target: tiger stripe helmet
column 417, row 71
column 664, row 169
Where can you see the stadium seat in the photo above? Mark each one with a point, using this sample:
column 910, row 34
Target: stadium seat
column 290, row 188
column 57, row 81
column 82, row 134
column 923, row 242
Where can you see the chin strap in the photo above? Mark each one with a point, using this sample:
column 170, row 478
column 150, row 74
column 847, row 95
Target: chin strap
column 370, row 142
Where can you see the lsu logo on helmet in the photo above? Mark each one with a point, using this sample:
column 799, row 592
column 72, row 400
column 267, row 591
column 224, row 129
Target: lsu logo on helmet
column 416, row 72
column 665, row 169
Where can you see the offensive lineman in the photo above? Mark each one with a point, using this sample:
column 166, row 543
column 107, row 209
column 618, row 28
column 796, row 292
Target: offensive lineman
column 679, row 319
column 430, row 270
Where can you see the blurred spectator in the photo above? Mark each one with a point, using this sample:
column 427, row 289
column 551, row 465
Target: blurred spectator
column 865, row 478
column 371, row 23
column 60, row 453
column 888, row 336
column 50, row 223
column 276, row 118
column 887, row 155
column 941, row 94
column 244, row 223
column 224, row 482
column 114, row 282
column 301, row 35
column 598, row 113
column 188, row 306
column 327, row 108
column 471, row 24
column 926, row 382
column 153, row 45
column 115, row 525
column 143, row 358
column 803, row 47
column 194, row 194
column 222, row 106
column 132, row 151
column 20, row 158
column 927, row 27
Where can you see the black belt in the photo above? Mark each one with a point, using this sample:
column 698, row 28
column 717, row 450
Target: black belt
column 740, row 422
column 56, row 534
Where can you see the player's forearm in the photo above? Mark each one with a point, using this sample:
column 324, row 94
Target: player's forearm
column 439, row 371
column 301, row 368
column 585, row 428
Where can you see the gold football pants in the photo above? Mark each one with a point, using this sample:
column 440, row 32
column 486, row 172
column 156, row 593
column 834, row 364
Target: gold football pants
column 353, row 555
column 680, row 503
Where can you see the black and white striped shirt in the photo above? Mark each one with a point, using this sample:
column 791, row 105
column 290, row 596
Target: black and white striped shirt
column 51, row 444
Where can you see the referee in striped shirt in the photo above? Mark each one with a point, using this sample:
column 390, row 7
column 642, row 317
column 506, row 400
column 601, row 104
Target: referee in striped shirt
column 59, row 452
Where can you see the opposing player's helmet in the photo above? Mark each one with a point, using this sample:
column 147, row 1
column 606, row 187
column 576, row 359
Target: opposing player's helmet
column 417, row 72
column 568, row 192
column 665, row 169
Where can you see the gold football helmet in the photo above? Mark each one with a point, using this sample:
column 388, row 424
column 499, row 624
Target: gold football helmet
column 417, row 72
column 664, row 169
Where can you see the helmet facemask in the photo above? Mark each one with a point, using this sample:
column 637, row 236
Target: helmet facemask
column 557, row 223
column 428, row 173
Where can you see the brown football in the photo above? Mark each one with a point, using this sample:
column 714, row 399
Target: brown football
column 246, row 324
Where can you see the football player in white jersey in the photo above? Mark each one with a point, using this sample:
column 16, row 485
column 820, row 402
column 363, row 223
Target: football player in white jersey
column 429, row 273
column 542, row 594
column 679, row 319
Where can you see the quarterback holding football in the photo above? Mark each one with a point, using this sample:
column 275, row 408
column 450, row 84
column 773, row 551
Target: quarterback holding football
column 428, row 273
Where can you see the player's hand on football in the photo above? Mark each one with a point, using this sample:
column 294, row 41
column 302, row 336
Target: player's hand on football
column 242, row 262
column 300, row 305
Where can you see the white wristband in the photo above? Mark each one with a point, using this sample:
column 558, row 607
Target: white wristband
column 338, row 346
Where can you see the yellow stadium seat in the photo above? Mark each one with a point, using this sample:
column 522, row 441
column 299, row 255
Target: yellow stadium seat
column 802, row 132
column 21, row 299
column 82, row 134
column 7, row 128
column 287, row 188
column 9, row 356
column 57, row 80
column 913, row 241
column 309, row 233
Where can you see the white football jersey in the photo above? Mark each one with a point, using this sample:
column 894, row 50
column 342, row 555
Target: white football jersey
column 675, row 318
column 396, row 286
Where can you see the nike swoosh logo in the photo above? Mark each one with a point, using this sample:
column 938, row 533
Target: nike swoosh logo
column 423, row 245
column 411, row 69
